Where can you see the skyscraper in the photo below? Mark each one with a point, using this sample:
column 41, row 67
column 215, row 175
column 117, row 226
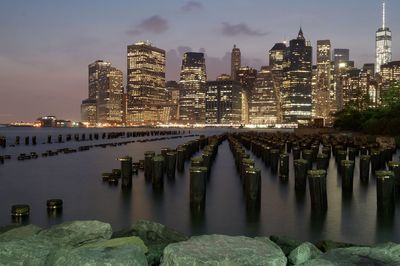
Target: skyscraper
column 235, row 61
column 145, row 83
column 324, row 95
column 193, row 87
column 296, row 92
column 341, row 55
column 96, row 70
column 223, row 102
column 277, row 60
column 247, row 77
column 263, row 103
column 383, row 43
column 110, row 100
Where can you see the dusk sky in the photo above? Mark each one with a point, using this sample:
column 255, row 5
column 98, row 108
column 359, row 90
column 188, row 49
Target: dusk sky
column 46, row 45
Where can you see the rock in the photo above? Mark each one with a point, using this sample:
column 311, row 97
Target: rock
column 285, row 243
column 19, row 233
column 99, row 256
column 386, row 142
column 155, row 236
column 303, row 253
column 77, row 233
column 31, row 251
column 223, row 250
column 326, row 245
column 8, row 227
column 384, row 254
column 119, row 242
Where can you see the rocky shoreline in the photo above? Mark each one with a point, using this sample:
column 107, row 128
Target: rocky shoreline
column 149, row 243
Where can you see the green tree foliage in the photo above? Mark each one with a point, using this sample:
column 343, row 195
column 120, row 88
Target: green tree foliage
column 357, row 116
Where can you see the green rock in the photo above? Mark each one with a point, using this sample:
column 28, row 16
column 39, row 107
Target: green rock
column 383, row 254
column 8, row 227
column 303, row 253
column 21, row 232
column 285, row 243
column 119, row 242
column 216, row 250
column 326, row 245
column 99, row 256
column 31, row 251
column 155, row 236
column 77, row 233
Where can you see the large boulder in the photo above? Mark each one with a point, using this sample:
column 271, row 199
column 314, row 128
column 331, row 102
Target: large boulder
column 303, row 253
column 119, row 242
column 223, row 250
column 384, row 254
column 285, row 243
column 77, row 233
column 155, row 236
column 129, row 255
column 30, row 251
column 8, row 227
column 21, row 232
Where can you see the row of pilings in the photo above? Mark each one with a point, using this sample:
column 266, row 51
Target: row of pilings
column 311, row 159
column 61, row 138
column 51, row 153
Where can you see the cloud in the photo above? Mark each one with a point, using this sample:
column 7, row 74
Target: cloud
column 240, row 29
column 191, row 6
column 154, row 24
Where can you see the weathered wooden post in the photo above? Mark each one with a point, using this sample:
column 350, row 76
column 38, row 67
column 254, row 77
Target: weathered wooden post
column 317, row 186
column 252, row 185
column 158, row 171
column 284, row 166
column 300, row 174
column 385, row 192
column 364, row 167
column 347, row 176
column 171, row 163
column 274, row 160
column 148, row 164
column 322, row 161
column 126, row 171
column 198, row 179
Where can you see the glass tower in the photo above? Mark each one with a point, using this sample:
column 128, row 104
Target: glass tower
column 383, row 43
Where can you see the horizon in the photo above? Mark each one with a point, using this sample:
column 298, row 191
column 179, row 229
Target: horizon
column 44, row 72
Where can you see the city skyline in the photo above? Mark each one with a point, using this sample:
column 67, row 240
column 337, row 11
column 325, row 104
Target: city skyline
column 54, row 73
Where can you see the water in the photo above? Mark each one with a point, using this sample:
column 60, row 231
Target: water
column 76, row 178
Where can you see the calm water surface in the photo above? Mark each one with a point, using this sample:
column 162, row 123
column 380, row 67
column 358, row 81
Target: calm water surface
column 76, row 178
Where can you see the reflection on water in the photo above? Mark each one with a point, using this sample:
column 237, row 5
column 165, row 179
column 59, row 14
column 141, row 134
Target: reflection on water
column 76, row 178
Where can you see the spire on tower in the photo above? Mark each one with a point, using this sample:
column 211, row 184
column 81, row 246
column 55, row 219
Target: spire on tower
column 383, row 14
column 300, row 35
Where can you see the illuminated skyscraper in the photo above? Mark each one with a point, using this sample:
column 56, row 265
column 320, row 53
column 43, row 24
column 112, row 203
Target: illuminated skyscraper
column 277, row 60
column 247, row 77
column 263, row 103
column 323, row 93
column 173, row 90
column 110, row 100
column 296, row 92
column 89, row 111
column 223, row 102
column 235, row 61
column 145, row 83
column 341, row 55
column 390, row 73
column 383, row 43
column 193, row 87
column 96, row 70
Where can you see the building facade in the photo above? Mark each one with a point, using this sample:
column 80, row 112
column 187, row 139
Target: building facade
column 89, row 111
column 263, row 101
column 297, row 88
column 383, row 43
column 324, row 96
column 223, row 102
column 236, row 61
column 110, row 99
column 145, row 83
column 192, row 83
column 246, row 76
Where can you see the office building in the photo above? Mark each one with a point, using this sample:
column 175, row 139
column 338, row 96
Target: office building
column 383, row 43
column 110, row 98
column 296, row 90
column 223, row 102
column 263, row 102
column 192, row 83
column 145, row 83
column 235, row 61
